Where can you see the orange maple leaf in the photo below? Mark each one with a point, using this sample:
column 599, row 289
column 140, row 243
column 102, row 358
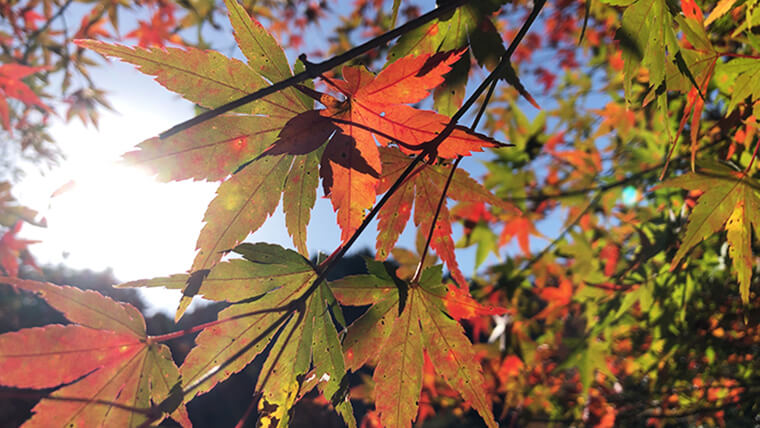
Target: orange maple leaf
column 12, row 249
column 558, row 299
column 460, row 304
column 374, row 111
column 520, row 227
column 92, row 26
column 424, row 189
column 158, row 31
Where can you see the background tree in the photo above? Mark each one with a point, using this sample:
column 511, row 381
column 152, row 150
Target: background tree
column 640, row 310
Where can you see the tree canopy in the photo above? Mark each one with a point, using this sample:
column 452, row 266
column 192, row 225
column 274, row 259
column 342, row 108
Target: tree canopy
column 628, row 127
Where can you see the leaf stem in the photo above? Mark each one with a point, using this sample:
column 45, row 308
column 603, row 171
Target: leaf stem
column 754, row 156
column 199, row 327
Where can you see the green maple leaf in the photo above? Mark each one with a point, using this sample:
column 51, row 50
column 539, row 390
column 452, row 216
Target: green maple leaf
column 647, row 37
column 267, row 289
column 404, row 321
column 588, row 358
column 745, row 75
column 730, row 203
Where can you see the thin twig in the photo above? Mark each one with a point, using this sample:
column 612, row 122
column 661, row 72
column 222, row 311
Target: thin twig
column 442, row 199
column 32, row 37
column 315, row 69
column 195, row 329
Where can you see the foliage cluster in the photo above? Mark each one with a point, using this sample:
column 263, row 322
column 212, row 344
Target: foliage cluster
column 643, row 310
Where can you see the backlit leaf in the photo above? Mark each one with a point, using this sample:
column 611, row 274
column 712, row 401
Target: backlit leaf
column 425, row 188
column 395, row 342
column 278, row 279
column 729, row 202
column 209, row 152
column 118, row 374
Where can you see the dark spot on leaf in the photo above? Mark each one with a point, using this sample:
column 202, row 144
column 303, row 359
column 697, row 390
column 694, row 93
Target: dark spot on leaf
column 268, row 408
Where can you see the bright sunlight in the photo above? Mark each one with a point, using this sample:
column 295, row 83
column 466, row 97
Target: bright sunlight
column 102, row 213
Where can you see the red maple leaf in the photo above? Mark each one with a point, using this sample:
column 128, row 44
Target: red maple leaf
column 108, row 365
column 374, row 111
column 12, row 249
column 610, row 254
column 158, row 31
column 520, row 227
column 376, row 107
column 12, row 86
column 423, row 190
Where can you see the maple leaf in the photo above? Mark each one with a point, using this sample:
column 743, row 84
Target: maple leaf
column 468, row 26
column 84, row 104
column 11, row 212
column 730, row 202
column 720, row 9
column 405, row 320
column 646, row 32
column 424, row 190
column 374, row 110
column 587, row 359
column 350, row 182
column 263, row 286
column 12, row 248
column 113, row 371
column 12, row 86
column 92, row 26
column 521, row 227
column 210, row 152
column 558, row 300
column 231, row 143
column 460, row 305
column 159, row 30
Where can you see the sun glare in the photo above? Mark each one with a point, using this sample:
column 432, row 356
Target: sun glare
column 118, row 216
column 113, row 215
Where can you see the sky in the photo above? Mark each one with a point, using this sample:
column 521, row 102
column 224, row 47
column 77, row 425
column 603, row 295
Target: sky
column 117, row 216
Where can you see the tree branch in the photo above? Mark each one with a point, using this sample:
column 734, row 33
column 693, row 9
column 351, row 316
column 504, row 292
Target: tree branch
column 315, row 69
